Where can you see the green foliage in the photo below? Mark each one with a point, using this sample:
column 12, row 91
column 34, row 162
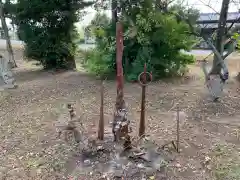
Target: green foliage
column 47, row 28
column 188, row 13
column 100, row 20
column 98, row 23
column 88, row 31
column 99, row 63
column 236, row 36
column 151, row 37
column 80, row 38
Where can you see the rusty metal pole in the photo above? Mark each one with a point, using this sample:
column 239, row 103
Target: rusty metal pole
column 178, row 133
column 101, row 120
column 142, row 117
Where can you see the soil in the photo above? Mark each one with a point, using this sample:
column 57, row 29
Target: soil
column 30, row 149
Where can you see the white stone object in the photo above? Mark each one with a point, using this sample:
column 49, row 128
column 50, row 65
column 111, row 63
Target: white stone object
column 6, row 76
column 215, row 86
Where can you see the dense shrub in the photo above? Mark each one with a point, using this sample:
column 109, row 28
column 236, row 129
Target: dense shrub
column 151, row 37
column 47, row 28
column 99, row 63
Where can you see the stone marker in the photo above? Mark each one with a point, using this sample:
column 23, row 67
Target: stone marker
column 214, row 82
column 215, row 86
column 7, row 80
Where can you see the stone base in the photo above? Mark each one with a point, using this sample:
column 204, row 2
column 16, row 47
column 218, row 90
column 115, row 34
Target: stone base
column 8, row 86
column 215, row 86
column 7, row 80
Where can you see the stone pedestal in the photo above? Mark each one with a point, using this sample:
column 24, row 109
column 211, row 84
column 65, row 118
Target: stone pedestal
column 215, row 86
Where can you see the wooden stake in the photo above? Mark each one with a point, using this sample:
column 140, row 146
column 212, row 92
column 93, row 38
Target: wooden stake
column 101, row 120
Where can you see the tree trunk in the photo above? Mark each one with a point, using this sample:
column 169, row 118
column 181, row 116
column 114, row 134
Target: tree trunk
column 7, row 37
column 71, row 64
column 114, row 12
column 221, row 33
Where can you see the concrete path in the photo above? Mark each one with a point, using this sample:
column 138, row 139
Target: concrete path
column 15, row 44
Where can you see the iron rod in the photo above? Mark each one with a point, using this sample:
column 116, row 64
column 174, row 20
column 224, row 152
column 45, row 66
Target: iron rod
column 142, row 117
column 101, row 120
column 178, row 133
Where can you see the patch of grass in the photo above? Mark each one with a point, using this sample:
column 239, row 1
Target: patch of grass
column 226, row 162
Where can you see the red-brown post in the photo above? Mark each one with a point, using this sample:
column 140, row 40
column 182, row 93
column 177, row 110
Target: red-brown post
column 119, row 54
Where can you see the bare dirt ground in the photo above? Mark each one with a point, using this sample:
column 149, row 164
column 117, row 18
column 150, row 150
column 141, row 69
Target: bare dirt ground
column 29, row 149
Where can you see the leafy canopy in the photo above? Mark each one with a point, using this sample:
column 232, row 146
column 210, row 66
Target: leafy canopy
column 150, row 36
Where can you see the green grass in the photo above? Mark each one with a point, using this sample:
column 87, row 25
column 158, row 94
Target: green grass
column 226, row 162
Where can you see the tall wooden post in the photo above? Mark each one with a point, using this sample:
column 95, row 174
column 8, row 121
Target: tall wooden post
column 119, row 42
column 120, row 122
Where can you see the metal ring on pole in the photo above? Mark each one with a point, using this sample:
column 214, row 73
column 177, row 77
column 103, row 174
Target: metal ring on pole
column 139, row 78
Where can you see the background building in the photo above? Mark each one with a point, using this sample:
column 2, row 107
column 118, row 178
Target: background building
column 208, row 22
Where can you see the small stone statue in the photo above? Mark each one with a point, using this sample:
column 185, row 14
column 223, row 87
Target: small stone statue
column 67, row 125
column 120, row 124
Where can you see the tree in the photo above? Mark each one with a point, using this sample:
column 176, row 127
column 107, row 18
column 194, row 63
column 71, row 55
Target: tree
column 7, row 37
column 216, row 78
column 88, row 31
column 100, row 20
column 98, row 23
column 48, row 30
column 189, row 13
column 221, row 34
column 150, row 36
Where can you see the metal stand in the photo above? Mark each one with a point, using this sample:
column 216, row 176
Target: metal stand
column 142, row 79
